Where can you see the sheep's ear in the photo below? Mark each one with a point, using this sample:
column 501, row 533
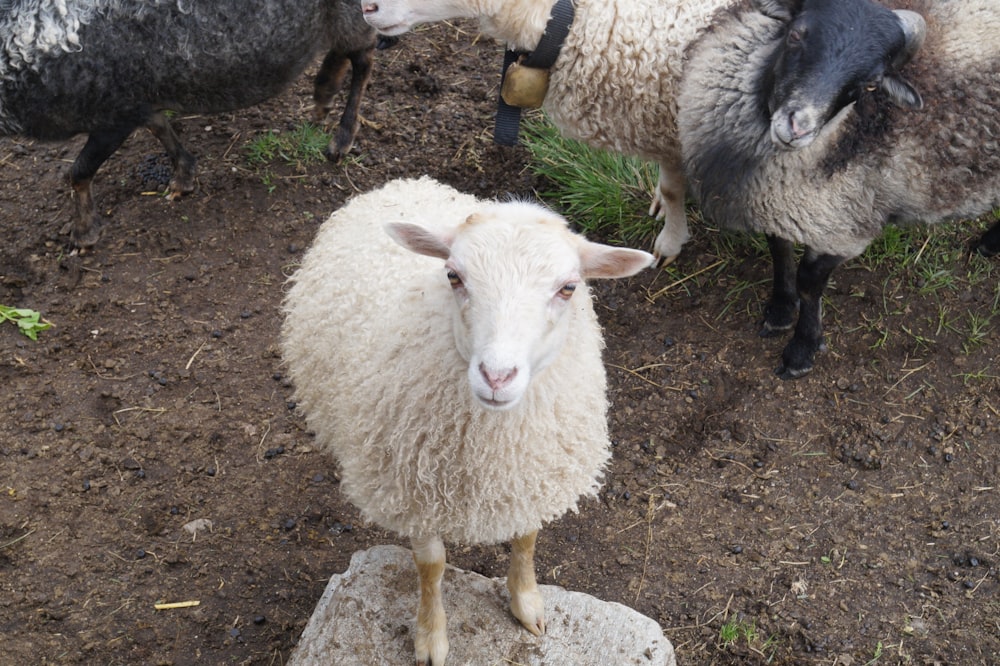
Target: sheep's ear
column 604, row 261
column 782, row 10
column 417, row 239
column 902, row 93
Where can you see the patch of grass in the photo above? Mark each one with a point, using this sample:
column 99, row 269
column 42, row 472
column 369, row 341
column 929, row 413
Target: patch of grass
column 302, row 145
column 597, row 190
column 933, row 262
column 738, row 632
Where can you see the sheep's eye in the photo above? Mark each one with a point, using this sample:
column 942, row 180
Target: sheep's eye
column 567, row 291
column 453, row 278
column 871, row 87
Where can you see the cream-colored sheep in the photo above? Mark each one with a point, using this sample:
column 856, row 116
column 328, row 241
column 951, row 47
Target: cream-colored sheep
column 614, row 83
column 462, row 392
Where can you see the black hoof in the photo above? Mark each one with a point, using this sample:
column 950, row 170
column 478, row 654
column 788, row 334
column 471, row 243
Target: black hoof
column 779, row 316
column 88, row 236
column 785, row 372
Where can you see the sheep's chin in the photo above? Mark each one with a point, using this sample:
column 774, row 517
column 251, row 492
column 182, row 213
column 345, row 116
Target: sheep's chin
column 395, row 30
column 497, row 405
column 390, row 30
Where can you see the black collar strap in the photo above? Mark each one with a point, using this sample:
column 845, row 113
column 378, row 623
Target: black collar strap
column 543, row 57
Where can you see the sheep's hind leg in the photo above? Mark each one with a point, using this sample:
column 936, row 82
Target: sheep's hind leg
column 668, row 205
column 182, row 162
column 813, row 276
column 779, row 313
column 525, row 598
column 328, row 82
column 431, row 640
column 100, row 146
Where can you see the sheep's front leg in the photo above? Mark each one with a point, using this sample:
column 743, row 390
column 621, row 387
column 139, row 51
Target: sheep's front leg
column 668, row 205
column 779, row 313
column 813, row 276
column 525, row 599
column 431, row 640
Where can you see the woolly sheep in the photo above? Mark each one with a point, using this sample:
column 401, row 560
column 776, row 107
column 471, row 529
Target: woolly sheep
column 614, row 83
column 849, row 144
column 462, row 392
column 107, row 67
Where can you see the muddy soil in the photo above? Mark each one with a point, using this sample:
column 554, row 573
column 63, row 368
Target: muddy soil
column 149, row 451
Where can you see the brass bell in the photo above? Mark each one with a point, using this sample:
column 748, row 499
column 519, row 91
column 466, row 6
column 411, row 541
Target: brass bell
column 524, row 86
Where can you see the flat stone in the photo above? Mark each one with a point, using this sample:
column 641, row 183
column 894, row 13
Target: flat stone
column 367, row 615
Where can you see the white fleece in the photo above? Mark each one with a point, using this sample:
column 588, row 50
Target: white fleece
column 369, row 343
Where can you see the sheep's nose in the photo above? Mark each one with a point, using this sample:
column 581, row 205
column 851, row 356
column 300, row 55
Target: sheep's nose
column 497, row 379
column 794, row 128
column 369, row 7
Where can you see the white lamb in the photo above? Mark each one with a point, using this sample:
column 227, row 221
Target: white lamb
column 462, row 392
column 614, row 84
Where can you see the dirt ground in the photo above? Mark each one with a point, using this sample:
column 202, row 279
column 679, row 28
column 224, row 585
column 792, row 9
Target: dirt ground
column 850, row 517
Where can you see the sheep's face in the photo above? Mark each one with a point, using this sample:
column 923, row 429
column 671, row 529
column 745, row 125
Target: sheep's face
column 394, row 17
column 517, row 274
column 831, row 53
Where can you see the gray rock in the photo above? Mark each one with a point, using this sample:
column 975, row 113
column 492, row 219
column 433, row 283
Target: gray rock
column 366, row 617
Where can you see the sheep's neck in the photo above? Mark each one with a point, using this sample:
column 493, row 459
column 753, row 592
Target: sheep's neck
column 518, row 23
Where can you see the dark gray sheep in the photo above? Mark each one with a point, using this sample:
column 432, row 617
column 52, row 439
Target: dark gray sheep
column 107, row 67
column 820, row 121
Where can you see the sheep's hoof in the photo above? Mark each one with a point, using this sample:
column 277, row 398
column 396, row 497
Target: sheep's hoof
column 529, row 608
column 431, row 649
column 778, row 318
column 334, row 154
column 660, row 262
column 179, row 186
column 340, row 145
column 785, row 372
column 798, row 358
column 87, row 236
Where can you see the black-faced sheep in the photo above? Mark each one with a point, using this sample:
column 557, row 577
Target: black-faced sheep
column 107, row 67
column 797, row 121
column 462, row 392
column 614, row 83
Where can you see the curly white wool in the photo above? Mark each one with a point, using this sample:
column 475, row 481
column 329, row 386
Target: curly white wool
column 35, row 28
column 369, row 341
